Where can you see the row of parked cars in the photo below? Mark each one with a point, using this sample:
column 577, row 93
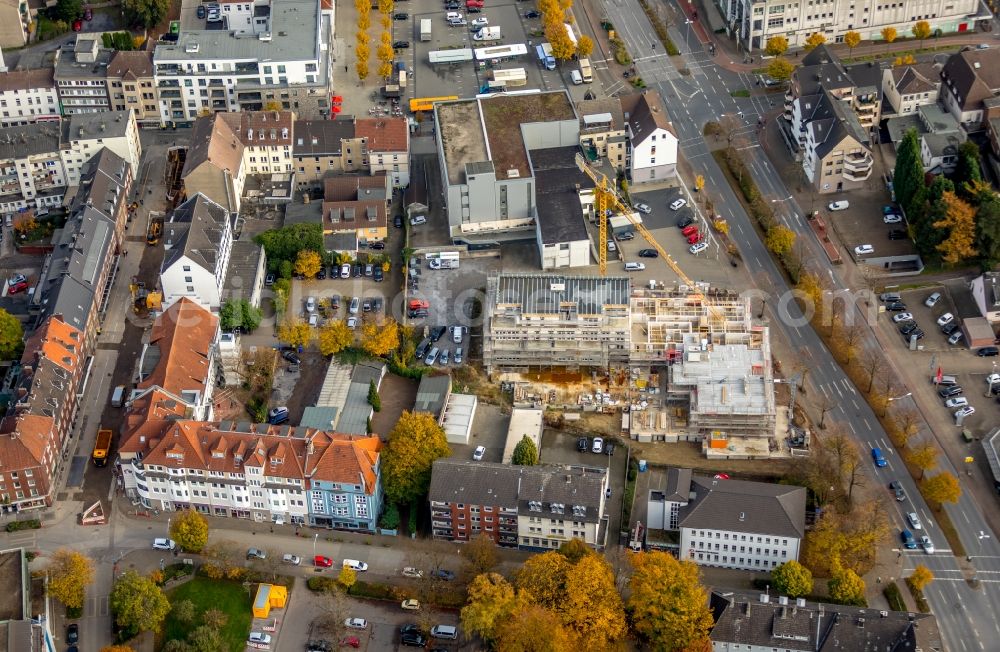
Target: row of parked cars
column 431, row 353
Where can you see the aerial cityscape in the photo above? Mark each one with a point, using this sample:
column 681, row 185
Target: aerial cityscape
column 515, row 325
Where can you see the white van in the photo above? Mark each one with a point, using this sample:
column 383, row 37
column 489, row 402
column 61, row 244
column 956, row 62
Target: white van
column 576, row 77
column 634, row 267
column 444, row 631
column 163, row 544
column 118, row 396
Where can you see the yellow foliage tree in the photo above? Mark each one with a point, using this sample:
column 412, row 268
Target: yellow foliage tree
column 25, row 223
column 815, row 40
column 584, row 46
column 308, row 263
column 520, row 632
column 942, row 488
column 380, row 340
column 669, row 606
column 491, row 601
column 851, row 40
column 190, row 530
column 385, row 69
column 361, row 68
column 904, row 60
column 362, row 6
column 414, row 443
column 699, row 183
column 386, row 22
column 347, row 577
column 334, row 337
column 780, row 69
column 273, row 105
column 70, row 573
column 921, row 30
column 117, row 648
column 780, row 239
column 294, row 332
column 385, row 54
column 889, row 35
column 845, row 540
column 921, row 577
column 562, row 47
column 960, row 220
column 591, row 606
column 847, row 587
column 385, row 7
column 543, row 577
column 776, row 46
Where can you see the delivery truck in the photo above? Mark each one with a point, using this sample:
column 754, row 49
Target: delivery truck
column 425, row 29
column 586, row 71
column 545, row 56
column 102, row 447
column 491, row 33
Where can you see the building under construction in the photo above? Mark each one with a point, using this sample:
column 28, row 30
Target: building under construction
column 542, row 322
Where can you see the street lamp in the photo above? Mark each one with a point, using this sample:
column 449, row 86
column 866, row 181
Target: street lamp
column 315, row 536
column 894, row 398
column 687, row 31
column 168, row 527
column 775, row 201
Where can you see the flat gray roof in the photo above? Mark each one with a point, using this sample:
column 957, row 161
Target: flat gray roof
column 29, row 140
column 87, row 126
column 295, row 28
column 545, row 293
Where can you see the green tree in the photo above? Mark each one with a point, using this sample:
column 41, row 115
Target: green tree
column 792, row 579
column 525, row 453
column 205, row 639
column 846, row 587
column 851, row 39
column 285, row 243
column 70, row 573
column 138, row 604
column 780, row 69
column 908, row 176
column 335, row 337
column 190, row 530
column 183, row 611
column 968, row 169
column 815, row 40
column 68, row 10
column 988, row 230
column 145, row 13
column 414, row 443
column 921, row 30
column 776, row 46
column 942, row 488
column 239, row 313
column 780, row 240
column 668, row 604
column 373, row 398
column 11, row 336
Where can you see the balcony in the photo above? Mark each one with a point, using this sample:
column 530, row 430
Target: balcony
column 166, row 95
column 220, row 105
column 247, row 96
column 248, row 68
column 169, row 83
column 858, row 163
column 219, row 94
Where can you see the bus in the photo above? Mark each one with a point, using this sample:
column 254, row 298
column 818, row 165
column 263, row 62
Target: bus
column 102, row 447
column 427, row 103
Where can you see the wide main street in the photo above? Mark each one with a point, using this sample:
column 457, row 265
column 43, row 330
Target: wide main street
column 967, row 616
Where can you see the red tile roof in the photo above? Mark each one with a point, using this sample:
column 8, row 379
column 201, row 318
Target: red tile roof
column 184, row 334
column 383, row 134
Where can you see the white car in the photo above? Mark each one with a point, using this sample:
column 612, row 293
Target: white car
column 863, row 250
column 354, row 564
column 993, row 379
column 164, row 544
column 311, row 304
column 956, row 337
column 957, row 402
column 611, row 246
column 410, row 605
column 927, row 544
column 678, row 204
column 838, row 205
column 698, row 248
column 597, row 446
column 356, row 623
column 294, row 560
column 892, row 218
column 932, row 300
column 481, row 22
column 478, row 454
column 914, row 521
column 259, row 637
column 410, row 571
column 642, row 208
column 903, row 316
column 352, row 322
column 418, row 219
column 945, row 319
column 967, row 411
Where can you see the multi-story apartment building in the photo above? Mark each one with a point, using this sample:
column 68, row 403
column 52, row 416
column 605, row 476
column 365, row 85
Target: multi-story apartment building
column 318, row 149
column 358, row 205
column 259, row 472
column 226, row 147
column 282, row 57
column 28, row 96
column 131, row 85
column 970, row 79
column 385, row 147
column 35, row 433
column 555, row 322
column 81, row 75
column 754, row 22
column 530, row 507
column 602, row 130
column 39, row 161
column 652, row 141
column 728, row 523
column 198, row 240
column 906, row 88
column 180, row 358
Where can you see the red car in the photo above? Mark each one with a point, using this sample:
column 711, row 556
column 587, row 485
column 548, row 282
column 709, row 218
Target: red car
column 322, row 562
column 77, row 25
column 351, row 641
column 419, row 304
column 688, row 230
column 20, row 286
column 478, row 4
column 694, row 238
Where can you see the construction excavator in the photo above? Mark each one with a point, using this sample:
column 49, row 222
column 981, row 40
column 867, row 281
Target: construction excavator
column 143, row 301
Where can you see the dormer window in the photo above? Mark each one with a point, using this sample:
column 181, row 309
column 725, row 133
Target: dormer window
column 249, row 134
column 276, row 460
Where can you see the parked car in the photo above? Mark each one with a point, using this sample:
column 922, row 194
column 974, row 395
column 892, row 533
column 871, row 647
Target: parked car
column 626, row 235
column 581, row 444
column 948, row 392
column 412, row 639
column 410, row 571
column 356, row 623
column 200, row 12
column 648, row 253
column 957, row 402
column 289, row 558
column 892, row 218
column 903, row 316
column 895, row 306
column 163, row 544
column 397, row 221
column 908, row 328
column 73, row 633
column 685, row 221
column 290, row 356
column 477, row 455
column 262, row 638
column 532, row 14
column 932, row 300
column 946, row 318
column 322, row 561
column 418, row 219
column 481, row 22
column 678, row 204
column 458, row 355
column 897, row 234
column 256, row 553
column 17, row 288
column 639, row 206
column 438, row 332
column 841, row 205
column 355, row 565
column 378, row 274
column 698, row 248
column 400, row 15
column 400, row 45
column 988, row 352
column 864, row 250
column 77, row 25
column 956, row 337
column 443, row 574
column 949, row 328
column 967, row 411
column 914, row 521
column 597, row 445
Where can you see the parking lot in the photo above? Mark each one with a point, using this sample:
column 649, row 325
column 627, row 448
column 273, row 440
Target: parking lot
column 862, row 223
column 452, row 294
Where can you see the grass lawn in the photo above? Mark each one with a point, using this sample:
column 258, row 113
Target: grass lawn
column 229, row 597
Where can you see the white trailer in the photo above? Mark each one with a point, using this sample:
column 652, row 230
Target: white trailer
column 510, row 77
column 425, row 29
column 460, row 55
column 501, row 52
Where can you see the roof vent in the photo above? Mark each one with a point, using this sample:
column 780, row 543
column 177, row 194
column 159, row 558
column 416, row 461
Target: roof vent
column 192, row 48
column 513, row 173
column 743, row 516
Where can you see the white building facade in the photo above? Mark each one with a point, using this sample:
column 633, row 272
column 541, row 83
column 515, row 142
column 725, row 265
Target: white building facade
column 28, row 96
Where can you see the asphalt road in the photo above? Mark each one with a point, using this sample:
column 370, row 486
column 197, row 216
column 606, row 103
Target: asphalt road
column 966, row 616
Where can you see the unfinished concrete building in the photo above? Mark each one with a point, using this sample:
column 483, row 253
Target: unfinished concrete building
column 709, row 369
column 536, row 322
